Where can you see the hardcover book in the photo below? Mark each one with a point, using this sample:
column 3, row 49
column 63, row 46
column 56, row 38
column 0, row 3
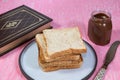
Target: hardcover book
column 20, row 25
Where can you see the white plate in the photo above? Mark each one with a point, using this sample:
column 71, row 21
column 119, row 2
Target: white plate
column 28, row 62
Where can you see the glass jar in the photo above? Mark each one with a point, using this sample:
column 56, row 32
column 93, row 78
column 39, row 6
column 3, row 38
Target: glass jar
column 100, row 27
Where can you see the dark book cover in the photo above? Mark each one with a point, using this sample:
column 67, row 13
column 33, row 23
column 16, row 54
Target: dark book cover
column 19, row 25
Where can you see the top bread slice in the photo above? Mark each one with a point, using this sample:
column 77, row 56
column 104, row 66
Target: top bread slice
column 42, row 51
column 60, row 42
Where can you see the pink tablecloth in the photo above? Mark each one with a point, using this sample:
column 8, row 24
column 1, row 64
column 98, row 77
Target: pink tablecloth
column 66, row 13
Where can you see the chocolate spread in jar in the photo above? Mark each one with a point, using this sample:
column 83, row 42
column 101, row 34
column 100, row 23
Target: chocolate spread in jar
column 100, row 28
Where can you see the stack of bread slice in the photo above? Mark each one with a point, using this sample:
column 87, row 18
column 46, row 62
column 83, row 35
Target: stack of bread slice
column 60, row 49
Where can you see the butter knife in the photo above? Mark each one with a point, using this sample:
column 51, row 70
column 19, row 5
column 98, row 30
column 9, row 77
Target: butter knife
column 108, row 59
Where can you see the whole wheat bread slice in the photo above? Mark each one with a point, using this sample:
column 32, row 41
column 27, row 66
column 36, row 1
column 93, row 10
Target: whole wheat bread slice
column 53, row 68
column 60, row 42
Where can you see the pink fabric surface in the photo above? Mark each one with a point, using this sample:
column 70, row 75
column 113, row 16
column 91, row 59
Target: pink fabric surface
column 66, row 13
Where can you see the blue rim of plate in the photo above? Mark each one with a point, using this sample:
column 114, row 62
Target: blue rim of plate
column 85, row 78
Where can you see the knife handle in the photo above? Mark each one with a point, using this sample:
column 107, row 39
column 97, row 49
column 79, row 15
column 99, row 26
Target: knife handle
column 100, row 74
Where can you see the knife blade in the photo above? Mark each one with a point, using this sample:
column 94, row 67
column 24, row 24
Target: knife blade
column 108, row 59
